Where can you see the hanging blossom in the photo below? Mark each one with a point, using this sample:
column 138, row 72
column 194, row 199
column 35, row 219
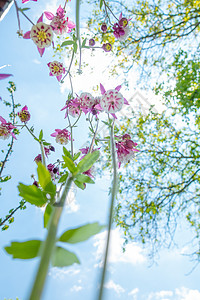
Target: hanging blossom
column 112, row 100
column 62, row 136
column 24, row 114
column 56, row 69
column 6, row 129
column 58, row 23
column 41, row 34
column 72, row 108
column 121, row 29
column 53, row 170
column 125, row 149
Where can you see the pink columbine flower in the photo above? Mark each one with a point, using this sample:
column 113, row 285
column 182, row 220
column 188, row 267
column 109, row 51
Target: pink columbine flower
column 62, row 136
column 58, row 23
column 6, row 129
column 38, row 158
column 41, row 34
column 87, row 101
column 52, row 170
column 125, row 149
column 72, row 108
column 24, row 114
column 107, row 47
column 121, row 30
column 112, row 100
column 56, row 69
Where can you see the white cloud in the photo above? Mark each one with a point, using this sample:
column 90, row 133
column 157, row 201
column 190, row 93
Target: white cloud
column 161, row 295
column 133, row 294
column 114, row 286
column 63, row 273
column 187, row 294
column 36, row 61
column 132, row 255
column 76, row 288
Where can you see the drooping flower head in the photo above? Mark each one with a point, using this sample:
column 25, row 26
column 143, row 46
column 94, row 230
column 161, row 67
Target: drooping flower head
column 104, row 27
column 125, row 149
column 58, row 23
column 91, row 42
column 62, row 136
column 107, row 47
column 112, row 100
column 121, row 29
column 41, row 34
column 24, row 114
column 72, row 108
column 6, row 129
column 53, row 170
column 56, row 69
column 38, row 158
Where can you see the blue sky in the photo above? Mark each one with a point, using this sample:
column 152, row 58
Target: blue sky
column 130, row 275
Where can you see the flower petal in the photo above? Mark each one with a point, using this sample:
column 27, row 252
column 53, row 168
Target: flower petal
column 120, row 16
column 40, row 19
column 59, row 77
column 118, row 88
column 27, row 35
column 49, row 15
column 102, row 89
column 125, row 101
column 2, row 120
column 114, row 116
column 3, row 76
column 41, row 51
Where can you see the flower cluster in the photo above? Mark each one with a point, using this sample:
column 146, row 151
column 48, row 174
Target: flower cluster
column 111, row 101
column 121, row 29
column 53, row 170
column 6, row 129
column 59, row 23
column 125, row 149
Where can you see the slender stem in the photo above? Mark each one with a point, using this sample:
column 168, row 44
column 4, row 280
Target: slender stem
column 72, row 58
column 71, row 132
column 33, row 135
column 21, row 11
column 94, row 137
column 78, row 30
column 113, row 195
column 18, row 19
column 65, row 4
column 12, row 213
column 48, row 246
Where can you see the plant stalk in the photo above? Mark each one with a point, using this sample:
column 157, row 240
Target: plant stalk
column 113, row 195
column 48, row 246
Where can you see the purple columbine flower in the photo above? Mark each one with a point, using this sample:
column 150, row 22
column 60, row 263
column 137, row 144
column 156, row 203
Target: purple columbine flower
column 91, row 42
column 107, row 47
column 6, row 129
column 62, row 136
column 104, row 27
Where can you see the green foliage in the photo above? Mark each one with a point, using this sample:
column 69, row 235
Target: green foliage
column 32, row 194
column 24, row 250
column 47, row 214
column 81, row 233
column 87, row 161
column 63, row 258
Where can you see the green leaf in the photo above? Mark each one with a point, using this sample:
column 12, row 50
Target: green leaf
column 47, row 215
column 81, row 234
column 69, row 164
column 87, row 162
column 23, row 9
column 63, row 178
column 32, row 194
column 62, row 258
column 24, row 250
column 67, row 153
column 101, row 3
column 5, row 178
column 44, row 176
column 40, row 135
column 84, row 178
column 79, row 184
column 76, row 156
column 83, row 43
column 50, row 189
column 67, row 43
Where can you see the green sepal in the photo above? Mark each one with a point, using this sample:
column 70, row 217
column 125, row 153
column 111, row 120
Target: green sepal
column 24, row 250
column 81, row 233
column 62, row 258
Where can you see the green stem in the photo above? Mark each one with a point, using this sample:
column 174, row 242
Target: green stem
column 43, row 154
column 78, row 29
column 48, row 246
column 113, row 195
